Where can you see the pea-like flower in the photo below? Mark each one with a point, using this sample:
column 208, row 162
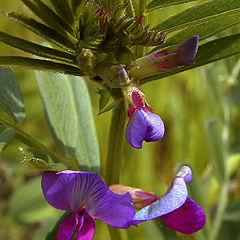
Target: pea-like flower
column 175, row 208
column 87, row 197
column 144, row 125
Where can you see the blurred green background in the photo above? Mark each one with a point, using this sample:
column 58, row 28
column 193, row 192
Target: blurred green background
column 189, row 103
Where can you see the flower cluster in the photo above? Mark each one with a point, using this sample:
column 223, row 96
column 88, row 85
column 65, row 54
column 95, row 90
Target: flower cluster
column 87, row 197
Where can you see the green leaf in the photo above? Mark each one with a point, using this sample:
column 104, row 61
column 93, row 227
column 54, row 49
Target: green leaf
column 63, row 10
column 205, row 29
column 35, row 48
column 209, row 52
column 42, row 159
column 38, row 64
column 77, row 6
column 199, row 13
column 42, row 30
column 48, row 16
column 69, row 115
column 104, row 98
column 155, row 4
column 6, row 137
column 233, row 211
column 10, row 95
column 217, row 148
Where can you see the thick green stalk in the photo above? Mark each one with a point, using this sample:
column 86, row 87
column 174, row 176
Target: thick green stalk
column 114, row 157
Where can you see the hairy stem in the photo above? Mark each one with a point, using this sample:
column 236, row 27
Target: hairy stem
column 114, row 157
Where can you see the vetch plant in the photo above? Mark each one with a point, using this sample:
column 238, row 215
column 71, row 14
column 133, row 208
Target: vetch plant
column 117, row 46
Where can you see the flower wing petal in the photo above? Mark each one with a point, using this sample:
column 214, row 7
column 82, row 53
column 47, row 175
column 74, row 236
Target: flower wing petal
column 67, row 190
column 189, row 218
column 136, row 129
column 173, row 199
column 86, row 228
column 67, row 227
column 155, row 127
column 115, row 209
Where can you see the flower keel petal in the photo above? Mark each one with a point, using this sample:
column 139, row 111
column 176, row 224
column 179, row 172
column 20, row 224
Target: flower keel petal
column 189, row 218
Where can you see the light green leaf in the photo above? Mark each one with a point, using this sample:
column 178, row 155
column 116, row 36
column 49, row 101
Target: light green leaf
column 205, row 29
column 10, row 95
column 217, row 149
column 77, row 6
column 203, row 12
column 62, row 8
column 155, row 4
column 35, row 49
column 48, row 16
column 104, row 98
column 209, row 52
column 6, row 137
column 69, row 115
column 38, row 64
column 42, row 30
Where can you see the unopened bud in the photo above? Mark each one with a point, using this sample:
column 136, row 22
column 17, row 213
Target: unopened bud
column 86, row 60
column 166, row 59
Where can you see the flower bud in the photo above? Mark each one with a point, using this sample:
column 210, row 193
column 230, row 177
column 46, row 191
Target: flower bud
column 114, row 75
column 166, row 59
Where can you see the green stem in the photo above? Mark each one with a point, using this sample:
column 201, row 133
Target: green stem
column 23, row 136
column 219, row 213
column 114, row 157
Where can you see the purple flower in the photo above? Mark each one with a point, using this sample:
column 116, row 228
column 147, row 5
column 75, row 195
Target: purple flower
column 143, row 124
column 87, row 197
column 176, row 209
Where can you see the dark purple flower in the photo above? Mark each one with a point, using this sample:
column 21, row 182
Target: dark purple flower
column 144, row 125
column 87, row 197
column 176, row 209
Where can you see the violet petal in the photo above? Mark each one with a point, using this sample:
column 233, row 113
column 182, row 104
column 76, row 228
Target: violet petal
column 136, row 129
column 67, row 227
column 70, row 190
column 114, row 209
column 155, row 127
column 189, row 218
column 86, row 227
column 174, row 198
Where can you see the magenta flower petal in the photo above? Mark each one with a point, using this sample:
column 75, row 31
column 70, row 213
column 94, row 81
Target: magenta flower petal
column 189, row 218
column 144, row 126
column 67, row 227
column 71, row 190
column 173, row 199
column 86, row 228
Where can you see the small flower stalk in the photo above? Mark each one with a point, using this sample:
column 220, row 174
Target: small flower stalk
column 143, row 125
column 166, row 59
